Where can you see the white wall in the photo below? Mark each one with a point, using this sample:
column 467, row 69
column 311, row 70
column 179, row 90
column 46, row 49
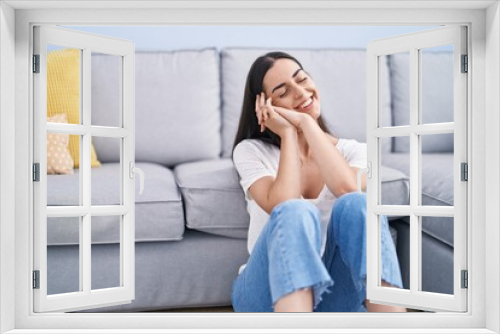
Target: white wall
column 194, row 37
column 492, row 162
column 7, row 167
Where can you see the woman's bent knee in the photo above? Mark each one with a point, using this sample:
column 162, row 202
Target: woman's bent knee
column 296, row 210
column 297, row 206
column 353, row 199
column 296, row 217
column 349, row 214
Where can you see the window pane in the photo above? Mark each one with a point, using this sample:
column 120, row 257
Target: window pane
column 394, row 174
column 437, row 84
column 63, row 82
column 63, row 255
column 106, row 179
column 400, row 88
column 106, row 245
column 63, row 179
column 384, row 90
column 395, row 239
column 437, row 254
column 106, row 90
column 437, row 170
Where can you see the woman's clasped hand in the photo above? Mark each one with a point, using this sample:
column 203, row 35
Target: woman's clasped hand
column 277, row 119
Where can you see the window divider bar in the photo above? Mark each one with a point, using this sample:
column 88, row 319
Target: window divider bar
column 373, row 191
column 433, row 211
column 81, row 254
column 417, row 153
column 414, row 170
column 85, row 169
column 85, row 158
column 86, row 87
column 109, row 210
column 422, row 129
column 122, row 249
column 433, row 129
column 414, row 253
column 77, row 129
column 419, row 210
column 394, row 131
column 103, row 131
column 86, row 267
column 70, row 129
column 67, row 211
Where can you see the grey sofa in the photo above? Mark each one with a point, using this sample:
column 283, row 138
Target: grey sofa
column 191, row 221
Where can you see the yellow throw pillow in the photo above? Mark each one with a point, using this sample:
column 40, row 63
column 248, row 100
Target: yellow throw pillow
column 59, row 159
column 63, row 95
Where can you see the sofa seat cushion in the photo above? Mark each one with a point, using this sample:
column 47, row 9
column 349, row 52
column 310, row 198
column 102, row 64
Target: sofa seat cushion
column 213, row 198
column 340, row 76
column 158, row 211
column 437, row 188
column 215, row 202
column 395, row 187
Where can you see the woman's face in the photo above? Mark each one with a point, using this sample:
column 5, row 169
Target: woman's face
column 290, row 87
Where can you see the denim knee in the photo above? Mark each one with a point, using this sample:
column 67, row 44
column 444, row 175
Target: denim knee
column 298, row 215
column 354, row 200
column 349, row 213
column 296, row 204
column 296, row 208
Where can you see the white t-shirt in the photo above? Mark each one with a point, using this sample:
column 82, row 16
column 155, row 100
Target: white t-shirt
column 255, row 159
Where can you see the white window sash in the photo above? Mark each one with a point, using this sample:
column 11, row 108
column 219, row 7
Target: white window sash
column 85, row 298
column 415, row 297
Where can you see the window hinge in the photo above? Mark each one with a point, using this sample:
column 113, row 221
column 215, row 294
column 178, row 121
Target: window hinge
column 36, row 63
column 36, row 172
column 465, row 279
column 465, row 64
column 36, row 279
column 465, row 171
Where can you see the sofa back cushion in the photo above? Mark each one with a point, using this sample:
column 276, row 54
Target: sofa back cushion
column 437, row 97
column 340, row 76
column 177, row 106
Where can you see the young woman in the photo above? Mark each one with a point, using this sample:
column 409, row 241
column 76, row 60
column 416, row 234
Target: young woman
column 306, row 253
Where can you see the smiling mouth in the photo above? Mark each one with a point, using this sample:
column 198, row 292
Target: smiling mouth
column 307, row 104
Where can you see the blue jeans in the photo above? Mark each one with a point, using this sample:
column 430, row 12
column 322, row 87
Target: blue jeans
column 286, row 258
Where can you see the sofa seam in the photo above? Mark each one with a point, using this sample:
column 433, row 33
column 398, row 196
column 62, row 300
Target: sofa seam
column 205, row 188
column 434, row 236
column 215, row 227
column 117, row 242
column 437, row 199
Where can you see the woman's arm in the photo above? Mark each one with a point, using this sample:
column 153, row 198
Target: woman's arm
column 339, row 177
column 268, row 191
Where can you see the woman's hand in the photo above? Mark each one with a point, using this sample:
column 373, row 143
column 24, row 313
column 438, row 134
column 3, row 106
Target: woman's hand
column 294, row 117
column 269, row 118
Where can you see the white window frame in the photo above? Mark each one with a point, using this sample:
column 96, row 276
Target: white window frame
column 85, row 297
column 377, row 50
column 484, row 103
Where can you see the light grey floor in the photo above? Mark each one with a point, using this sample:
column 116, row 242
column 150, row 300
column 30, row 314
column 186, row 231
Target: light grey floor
column 200, row 309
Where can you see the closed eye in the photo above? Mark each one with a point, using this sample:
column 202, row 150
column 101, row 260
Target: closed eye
column 286, row 91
